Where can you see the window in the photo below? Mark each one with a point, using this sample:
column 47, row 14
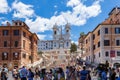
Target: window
column 24, row 44
column 67, row 31
column 98, row 32
column 117, row 42
column 46, row 46
column 99, row 54
column 112, row 53
column 118, row 53
column 30, row 57
column 20, row 24
column 15, row 56
column 54, row 44
column 5, row 43
column 16, row 44
column 93, row 47
column 67, row 44
column 16, row 32
column 16, row 23
column 86, row 41
column 24, row 55
column 99, row 44
column 55, row 32
column 30, row 38
column 24, row 34
column 5, row 32
column 106, row 42
column 4, row 56
column 106, row 53
column 106, row 30
column 117, row 30
column 93, row 36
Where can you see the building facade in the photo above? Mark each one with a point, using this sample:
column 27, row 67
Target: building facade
column 18, row 45
column 103, row 43
column 60, row 40
column 57, row 50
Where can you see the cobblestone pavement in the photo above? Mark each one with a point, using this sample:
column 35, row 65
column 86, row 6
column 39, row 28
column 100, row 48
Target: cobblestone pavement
column 10, row 76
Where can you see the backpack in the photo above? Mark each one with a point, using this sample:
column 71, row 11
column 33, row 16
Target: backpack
column 32, row 74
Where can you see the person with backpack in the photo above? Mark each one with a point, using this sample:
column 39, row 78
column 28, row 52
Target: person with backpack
column 37, row 73
column 62, row 75
column 84, row 74
column 43, row 74
column 104, row 75
column 89, row 76
column 113, row 74
column 30, row 74
column 23, row 73
column 72, row 73
column 3, row 75
column 15, row 73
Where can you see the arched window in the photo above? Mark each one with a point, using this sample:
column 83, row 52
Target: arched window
column 54, row 44
column 4, row 56
column 55, row 32
column 67, row 31
column 15, row 56
column 67, row 44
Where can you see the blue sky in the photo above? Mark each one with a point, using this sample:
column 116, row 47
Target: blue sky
column 41, row 15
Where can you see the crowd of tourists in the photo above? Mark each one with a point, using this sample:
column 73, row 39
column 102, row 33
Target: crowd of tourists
column 58, row 73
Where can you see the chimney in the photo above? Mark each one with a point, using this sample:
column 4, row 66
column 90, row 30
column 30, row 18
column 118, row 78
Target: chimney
column 8, row 24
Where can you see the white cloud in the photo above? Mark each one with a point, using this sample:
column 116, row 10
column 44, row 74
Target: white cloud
column 81, row 12
column 55, row 6
column 43, row 24
column 76, row 42
column 4, row 22
column 22, row 10
column 38, row 25
column 4, row 8
column 73, row 3
column 77, row 16
column 41, row 37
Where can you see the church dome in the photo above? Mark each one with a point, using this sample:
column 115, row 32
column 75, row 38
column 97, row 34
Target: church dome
column 55, row 26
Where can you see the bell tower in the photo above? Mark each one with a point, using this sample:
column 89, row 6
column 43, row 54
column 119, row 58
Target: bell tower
column 55, row 31
column 67, row 30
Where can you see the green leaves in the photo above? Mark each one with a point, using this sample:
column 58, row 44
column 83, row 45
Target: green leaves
column 73, row 48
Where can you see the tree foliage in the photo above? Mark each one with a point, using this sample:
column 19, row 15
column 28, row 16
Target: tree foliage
column 73, row 48
column 40, row 52
column 82, row 34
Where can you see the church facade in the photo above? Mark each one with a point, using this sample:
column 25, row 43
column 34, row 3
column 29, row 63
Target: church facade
column 60, row 39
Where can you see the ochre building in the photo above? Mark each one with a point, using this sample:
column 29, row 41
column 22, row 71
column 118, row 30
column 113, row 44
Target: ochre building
column 103, row 43
column 18, row 46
